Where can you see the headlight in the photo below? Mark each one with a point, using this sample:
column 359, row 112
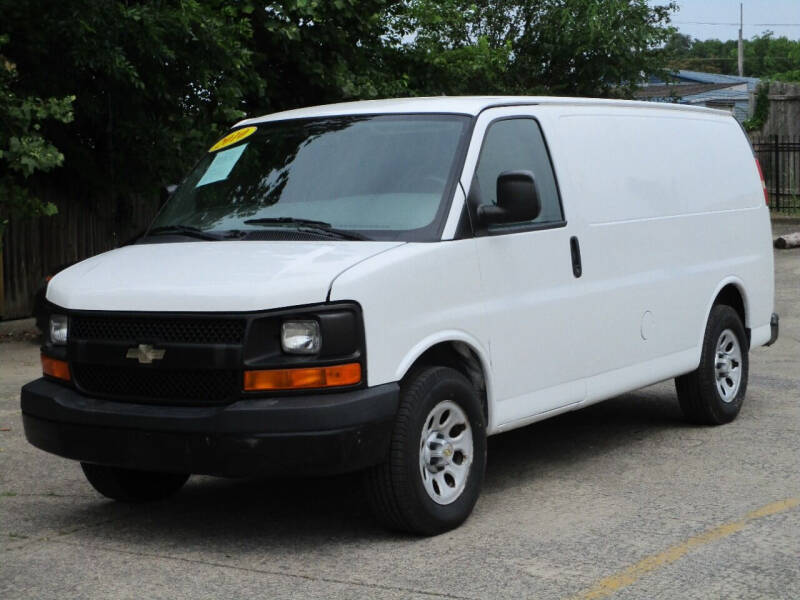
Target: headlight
column 58, row 329
column 301, row 337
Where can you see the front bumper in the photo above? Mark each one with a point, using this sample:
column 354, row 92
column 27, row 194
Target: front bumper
column 310, row 434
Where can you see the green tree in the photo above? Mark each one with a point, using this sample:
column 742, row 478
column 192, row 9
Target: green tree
column 156, row 81
column 569, row 47
column 24, row 150
column 714, row 56
column 310, row 52
column 578, row 47
column 153, row 82
column 764, row 55
column 440, row 50
column 678, row 45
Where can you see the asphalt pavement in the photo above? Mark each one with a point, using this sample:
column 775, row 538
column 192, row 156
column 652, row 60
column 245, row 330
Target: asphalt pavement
column 619, row 500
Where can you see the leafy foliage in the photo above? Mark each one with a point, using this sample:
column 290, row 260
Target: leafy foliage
column 152, row 83
column 24, row 149
column 787, row 76
column 309, row 52
column 440, row 49
column 567, row 47
column 152, row 80
column 761, row 109
column 591, row 48
column 764, row 56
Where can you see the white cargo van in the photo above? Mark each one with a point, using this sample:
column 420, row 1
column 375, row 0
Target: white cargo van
column 381, row 285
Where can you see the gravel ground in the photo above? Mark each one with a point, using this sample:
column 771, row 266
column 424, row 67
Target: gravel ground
column 622, row 499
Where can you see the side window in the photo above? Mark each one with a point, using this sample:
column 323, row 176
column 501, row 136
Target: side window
column 518, row 145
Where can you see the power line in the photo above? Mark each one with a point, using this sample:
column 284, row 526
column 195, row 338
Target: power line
column 736, row 24
column 730, row 57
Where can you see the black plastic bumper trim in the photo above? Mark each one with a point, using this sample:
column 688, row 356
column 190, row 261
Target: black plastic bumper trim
column 313, row 434
column 55, row 402
column 223, row 455
column 774, row 325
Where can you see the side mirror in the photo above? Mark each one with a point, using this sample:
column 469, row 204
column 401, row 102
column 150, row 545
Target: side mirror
column 165, row 194
column 517, row 200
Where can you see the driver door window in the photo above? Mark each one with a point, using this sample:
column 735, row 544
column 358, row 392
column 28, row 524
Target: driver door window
column 517, row 144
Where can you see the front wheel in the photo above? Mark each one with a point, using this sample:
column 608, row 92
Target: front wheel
column 434, row 473
column 714, row 393
column 129, row 485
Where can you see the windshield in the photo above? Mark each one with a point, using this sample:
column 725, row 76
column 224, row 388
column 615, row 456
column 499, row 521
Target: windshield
column 372, row 177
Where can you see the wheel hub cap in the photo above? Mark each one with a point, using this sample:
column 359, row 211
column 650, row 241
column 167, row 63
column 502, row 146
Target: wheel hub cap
column 437, row 452
column 445, row 453
column 728, row 366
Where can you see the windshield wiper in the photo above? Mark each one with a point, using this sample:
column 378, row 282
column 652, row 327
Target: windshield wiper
column 186, row 230
column 288, row 221
column 309, row 225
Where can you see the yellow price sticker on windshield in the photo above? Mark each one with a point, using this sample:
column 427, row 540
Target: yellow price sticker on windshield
column 232, row 138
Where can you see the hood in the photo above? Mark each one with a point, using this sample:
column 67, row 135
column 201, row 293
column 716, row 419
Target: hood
column 208, row 276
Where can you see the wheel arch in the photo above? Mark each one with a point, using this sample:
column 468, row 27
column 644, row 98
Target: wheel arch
column 732, row 292
column 460, row 351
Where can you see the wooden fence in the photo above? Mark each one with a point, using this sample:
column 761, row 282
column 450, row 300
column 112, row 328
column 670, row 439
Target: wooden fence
column 33, row 248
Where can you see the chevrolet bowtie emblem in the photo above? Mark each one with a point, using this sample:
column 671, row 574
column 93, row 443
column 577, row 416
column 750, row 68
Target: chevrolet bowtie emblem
column 145, row 354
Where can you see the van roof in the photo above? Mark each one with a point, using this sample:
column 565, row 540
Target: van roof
column 468, row 105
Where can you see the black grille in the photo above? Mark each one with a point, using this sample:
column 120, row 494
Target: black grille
column 147, row 384
column 158, row 330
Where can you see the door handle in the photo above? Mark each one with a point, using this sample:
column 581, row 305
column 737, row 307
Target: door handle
column 575, row 248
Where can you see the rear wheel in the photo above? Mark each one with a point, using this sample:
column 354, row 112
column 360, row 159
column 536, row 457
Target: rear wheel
column 435, row 469
column 714, row 393
column 129, row 485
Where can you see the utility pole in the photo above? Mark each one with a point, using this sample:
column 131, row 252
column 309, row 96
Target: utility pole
column 741, row 47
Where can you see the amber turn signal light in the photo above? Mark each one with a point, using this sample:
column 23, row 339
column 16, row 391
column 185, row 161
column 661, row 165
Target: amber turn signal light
column 55, row 368
column 296, row 379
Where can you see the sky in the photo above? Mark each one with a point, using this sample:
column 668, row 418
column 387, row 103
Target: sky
column 695, row 16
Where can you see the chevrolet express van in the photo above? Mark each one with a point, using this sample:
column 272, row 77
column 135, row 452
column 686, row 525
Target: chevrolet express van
column 381, row 285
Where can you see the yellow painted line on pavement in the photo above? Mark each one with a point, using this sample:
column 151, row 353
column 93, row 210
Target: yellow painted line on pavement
column 609, row 585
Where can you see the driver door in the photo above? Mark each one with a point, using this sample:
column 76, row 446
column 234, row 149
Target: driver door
column 533, row 294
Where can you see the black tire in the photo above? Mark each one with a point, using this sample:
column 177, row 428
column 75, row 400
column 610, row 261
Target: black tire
column 128, row 485
column 699, row 398
column 395, row 488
